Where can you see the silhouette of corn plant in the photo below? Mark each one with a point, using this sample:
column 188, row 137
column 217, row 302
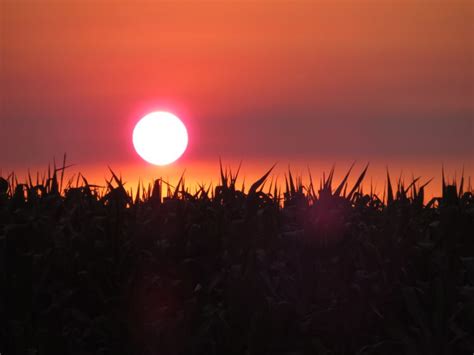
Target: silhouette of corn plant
column 225, row 270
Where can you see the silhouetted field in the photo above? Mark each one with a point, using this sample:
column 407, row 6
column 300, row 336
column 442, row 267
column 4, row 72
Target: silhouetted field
column 318, row 269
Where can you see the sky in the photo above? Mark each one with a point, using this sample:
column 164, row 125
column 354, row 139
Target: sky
column 389, row 81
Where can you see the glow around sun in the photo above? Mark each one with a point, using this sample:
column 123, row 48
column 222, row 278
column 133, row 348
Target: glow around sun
column 160, row 138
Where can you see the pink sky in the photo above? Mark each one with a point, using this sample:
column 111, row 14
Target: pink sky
column 308, row 81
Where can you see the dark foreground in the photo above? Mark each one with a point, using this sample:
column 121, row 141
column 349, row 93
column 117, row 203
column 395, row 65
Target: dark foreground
column 334, row 271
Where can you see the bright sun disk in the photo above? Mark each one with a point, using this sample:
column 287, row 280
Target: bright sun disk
column 160, row 138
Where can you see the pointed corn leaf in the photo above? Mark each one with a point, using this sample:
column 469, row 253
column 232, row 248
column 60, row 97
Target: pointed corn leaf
column 343, row 182
column 256, row 184
column 358, row 182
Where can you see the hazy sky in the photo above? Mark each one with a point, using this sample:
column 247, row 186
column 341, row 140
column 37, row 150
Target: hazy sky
column 251, row 79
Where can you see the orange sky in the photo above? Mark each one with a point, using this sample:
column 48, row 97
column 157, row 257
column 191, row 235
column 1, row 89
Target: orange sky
column 255, row 80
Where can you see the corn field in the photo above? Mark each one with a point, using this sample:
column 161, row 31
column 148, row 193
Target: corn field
column 322, row 268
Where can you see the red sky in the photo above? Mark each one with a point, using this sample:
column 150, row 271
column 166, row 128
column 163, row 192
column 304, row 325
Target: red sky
column 389, row 81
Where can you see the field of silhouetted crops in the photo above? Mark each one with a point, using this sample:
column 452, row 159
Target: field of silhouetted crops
column 325, row 268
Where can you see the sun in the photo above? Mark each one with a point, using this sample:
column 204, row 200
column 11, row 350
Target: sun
column 160, row 138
